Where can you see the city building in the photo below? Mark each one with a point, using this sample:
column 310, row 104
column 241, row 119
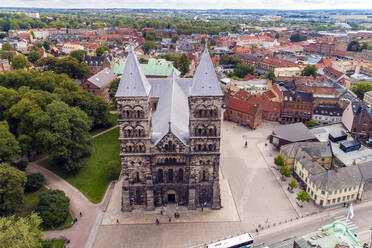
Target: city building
column 98, row 84
column 169, row 137
column 368, row 97
column 297, row 106
column 357, row 118
column 291, row 133
column 97, row 63
column 69, row 47
column 327, row 113
column 243, row 112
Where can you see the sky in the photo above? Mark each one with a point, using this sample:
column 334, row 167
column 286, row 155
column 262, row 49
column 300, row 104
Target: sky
column 193, row 4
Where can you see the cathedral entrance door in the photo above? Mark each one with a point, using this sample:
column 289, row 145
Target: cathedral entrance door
column 171, row 198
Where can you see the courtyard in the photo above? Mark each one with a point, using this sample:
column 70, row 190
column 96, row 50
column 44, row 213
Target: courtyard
column 256, row 195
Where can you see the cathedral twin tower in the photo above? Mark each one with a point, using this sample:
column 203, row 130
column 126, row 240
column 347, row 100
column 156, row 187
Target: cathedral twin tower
column 169, row 137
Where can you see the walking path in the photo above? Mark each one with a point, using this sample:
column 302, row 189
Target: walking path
column 105, row 131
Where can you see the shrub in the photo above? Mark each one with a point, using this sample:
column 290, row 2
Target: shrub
column 113, row 169
column 279, row 160
column 34, row 182
column 293, row 184
column 20, row 165
column 285, row 171
column 53, row 207
column 303, row 196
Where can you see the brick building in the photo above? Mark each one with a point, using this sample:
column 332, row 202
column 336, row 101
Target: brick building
column 98, row 83
column 357, row 118
column 297, row 106
column 243, row 112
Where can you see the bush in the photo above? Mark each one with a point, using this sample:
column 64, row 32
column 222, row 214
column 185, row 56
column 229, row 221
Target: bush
column 293, row 184
column 285, row 171
column 34, row 182
column 113, row 169
column 279, row 160
column 53, row 207
column 20, row 165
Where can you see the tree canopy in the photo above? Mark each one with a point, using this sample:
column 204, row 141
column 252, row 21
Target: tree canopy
column 285, row 171
column 296, row 37
column 20, row 61
column 361, row 88
column 9, row 146
column 355, row 46
column 312, row 123
column 303, row 196
column 149, row 45
column 101, row 50
column 12, row 183
column 243, row 69
column 21, row 232
column 33, row 56
column 78, row 54
column 310, row 70
column 68, row 65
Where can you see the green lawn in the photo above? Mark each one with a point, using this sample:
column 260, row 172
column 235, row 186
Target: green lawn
column 92, row 180
column 56, row 243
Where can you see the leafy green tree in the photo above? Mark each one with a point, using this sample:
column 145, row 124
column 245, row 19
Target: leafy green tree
column 271, row 76
column 78, row 54
column 303, row 196
column 285, row 171
column 183, row 64
column 20, row 232
column 229, row 60
column 297, row 37
column 277, row 36
column 113, row 169
column 20, row 61
column 113, row 88
column 34, row 182
column 53, row 207
column 293, row 184
column 9, row 146
column 243, row 69
column 312, row 123
column 63, row 133
column 101, row 50
column 46, row 45
column 49, row 63
column 72, row 68
column 33, row 56
column 310, row 70
column 149, row 45
column 12, row 183
column 354, row 46
column 143, row 61
column 279, row 160
column 6, row 51
column 361, row 88
column 20, row 165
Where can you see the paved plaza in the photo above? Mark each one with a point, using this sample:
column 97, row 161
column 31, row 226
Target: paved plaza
column 259, row 200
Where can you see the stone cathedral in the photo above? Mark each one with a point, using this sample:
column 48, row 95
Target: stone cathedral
column 169, row 137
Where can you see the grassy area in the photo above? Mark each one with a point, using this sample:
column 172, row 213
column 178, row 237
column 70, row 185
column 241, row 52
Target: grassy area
column 97, row 130
column 56, row 243
column 30, row 202
column 93, row 180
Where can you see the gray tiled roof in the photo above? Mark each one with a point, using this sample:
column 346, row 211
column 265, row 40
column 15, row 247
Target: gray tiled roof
column 133, row 82
column 205, row 81
column 366, row 171
column 294, row 132
column 314, row 149
column 102, row 78
column 173, row 110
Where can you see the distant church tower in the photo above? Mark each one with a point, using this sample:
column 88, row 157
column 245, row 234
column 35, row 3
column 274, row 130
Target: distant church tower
column 169, row 137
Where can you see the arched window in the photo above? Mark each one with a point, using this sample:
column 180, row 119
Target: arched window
column 170, row 176
column 180, row 175
column 204, row 176
column 160, row 175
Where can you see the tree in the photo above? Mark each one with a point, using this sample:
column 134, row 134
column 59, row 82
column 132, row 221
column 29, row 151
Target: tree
column 78, row 54
column 113, row 169
column 293, row 184
column 312, row 123
column 46, row 45
column 229, row 60
column 297, row 37
column 19, row 61
column 53, row 207
column 271, row 76
column 354, row 46
column 9, row 146
column 183, row 64
column 149, row 45
column 277, row 36
column 361, row 88
column 113, row 88
column 278, row 160
column 243, row 69
column 6, row 51
column 12, row 183
column 72, row 68
column 20, row 232
column 20, row 165
column 285, row 171
column 101, row 50
column 63, row 133
column 33, row 56
column 143, row 61
column 310, row 70
column 303, row 196
column 34, row 182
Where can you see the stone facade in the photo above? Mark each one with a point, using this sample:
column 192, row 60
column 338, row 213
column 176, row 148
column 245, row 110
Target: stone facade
column 168, row 169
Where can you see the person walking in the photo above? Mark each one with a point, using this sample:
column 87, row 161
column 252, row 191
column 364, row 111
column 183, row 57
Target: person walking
column 117, row 221
column 169, row 219
column 157, row 221
column 81, row 215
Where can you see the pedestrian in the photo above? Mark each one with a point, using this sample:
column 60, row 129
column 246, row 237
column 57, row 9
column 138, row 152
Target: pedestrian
column 157, row 221
column 246, row 144
column 161, row 212
column 202, row 208
column 169, row 219
column 68, row 241
column 81, row 215
column 117, row 221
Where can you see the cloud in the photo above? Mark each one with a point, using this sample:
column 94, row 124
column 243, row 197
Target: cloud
column 193, row 4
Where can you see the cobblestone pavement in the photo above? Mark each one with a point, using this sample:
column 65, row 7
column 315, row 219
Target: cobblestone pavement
column 258, row 197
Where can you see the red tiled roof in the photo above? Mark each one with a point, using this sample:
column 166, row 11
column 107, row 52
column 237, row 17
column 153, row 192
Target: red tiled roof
column 278, row 62
column 250, row 77
column 242, row 106
column 242, row 94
